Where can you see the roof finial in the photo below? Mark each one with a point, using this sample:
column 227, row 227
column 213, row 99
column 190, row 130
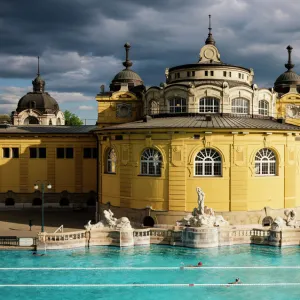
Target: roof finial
column 38, row 72
column 210, row 39
column 289, row 65
column 127, row 63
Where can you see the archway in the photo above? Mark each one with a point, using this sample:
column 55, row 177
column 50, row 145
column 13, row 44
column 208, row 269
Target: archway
column 9, row 202
column 31, row 120
column 36, row 202
column 64, row 202
column 91, row 201
column 148, row 221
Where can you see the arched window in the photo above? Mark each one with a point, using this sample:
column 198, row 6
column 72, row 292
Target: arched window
column 263, row 107
column 265, row 162
column 209, row 105
column 177, row 105
column 240, row 106
column 151, row 160
column 208, row 162
column 153, row 108
column 111, row 161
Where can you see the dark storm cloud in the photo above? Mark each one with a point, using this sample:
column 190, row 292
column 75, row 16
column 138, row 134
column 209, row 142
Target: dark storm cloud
column 81, row 41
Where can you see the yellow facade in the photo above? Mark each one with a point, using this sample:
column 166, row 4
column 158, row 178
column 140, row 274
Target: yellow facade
column 118, row 107
column 76, row 175
column 288, row 108
column 238, row 189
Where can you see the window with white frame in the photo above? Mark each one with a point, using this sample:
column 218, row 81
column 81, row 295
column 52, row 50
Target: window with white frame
column 263, row 107
column 177, row 105
column 265, row 162
column 151, row 161
column 209, row 105
column 208, row 162
column 111, row 161
column 240, row 106
column 153, row 107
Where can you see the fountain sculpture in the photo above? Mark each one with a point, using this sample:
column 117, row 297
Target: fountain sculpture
column 202, row 216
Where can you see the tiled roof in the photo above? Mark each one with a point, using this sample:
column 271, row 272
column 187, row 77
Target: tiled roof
column 217, row 122
column 47, row 129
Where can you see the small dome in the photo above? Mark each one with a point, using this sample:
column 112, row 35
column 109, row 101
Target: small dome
column 40, row 101
column 288, row 77
column 284, row 82
column 128, row 75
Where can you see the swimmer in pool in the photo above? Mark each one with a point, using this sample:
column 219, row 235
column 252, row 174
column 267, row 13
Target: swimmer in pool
column 34, row 253
column 192, row 266
column 237, row 281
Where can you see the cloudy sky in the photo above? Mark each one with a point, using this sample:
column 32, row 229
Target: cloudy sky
column 81, row 42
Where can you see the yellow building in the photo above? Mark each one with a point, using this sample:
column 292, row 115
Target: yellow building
column 209, row 125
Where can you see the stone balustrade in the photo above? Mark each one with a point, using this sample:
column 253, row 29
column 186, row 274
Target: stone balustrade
column 195, row 237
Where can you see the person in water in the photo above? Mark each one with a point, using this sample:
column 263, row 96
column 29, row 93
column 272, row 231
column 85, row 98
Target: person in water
column 34, row 253
column 199, row 264
column 237, row 281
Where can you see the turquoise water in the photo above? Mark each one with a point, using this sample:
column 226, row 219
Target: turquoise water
column 153, row 256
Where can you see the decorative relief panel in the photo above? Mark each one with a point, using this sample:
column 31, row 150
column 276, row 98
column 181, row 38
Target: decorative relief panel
column 125, row 154
column 239, row 155
column 177, row 156
column 292, row 111
column 124, row 110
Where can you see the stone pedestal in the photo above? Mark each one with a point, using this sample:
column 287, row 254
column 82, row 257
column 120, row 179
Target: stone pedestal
column 204, row 237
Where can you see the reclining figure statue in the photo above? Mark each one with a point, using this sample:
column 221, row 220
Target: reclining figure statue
column 110, row 222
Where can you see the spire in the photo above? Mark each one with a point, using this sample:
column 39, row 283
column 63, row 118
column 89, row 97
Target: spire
column 38, row 72
column 289, row 65
column 38, row 83
column 127, row 63
column 210, row 39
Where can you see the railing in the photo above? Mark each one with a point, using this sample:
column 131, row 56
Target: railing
column 9, row 241
column 59, row 229
column 59, row 237
column 15, row 241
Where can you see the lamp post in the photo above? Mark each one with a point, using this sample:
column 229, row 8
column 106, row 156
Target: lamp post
column 42, row 184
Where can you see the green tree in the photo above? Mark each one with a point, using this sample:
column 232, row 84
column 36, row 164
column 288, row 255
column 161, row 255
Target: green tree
column 71, row 119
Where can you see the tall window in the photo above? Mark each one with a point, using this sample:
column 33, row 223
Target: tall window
column 153, row 107
column 263, row 108
column 177, row 105
column 111, row 161
column 240, row 106
column 209, row 105
column 265, row 162
column 208, row 162
column 151, row 160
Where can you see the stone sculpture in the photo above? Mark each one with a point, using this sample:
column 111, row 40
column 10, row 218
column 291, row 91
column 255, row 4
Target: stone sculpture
column 110, row 222
column 291, row 218
column 277, row 224
column 202, row 216
column 201, row 197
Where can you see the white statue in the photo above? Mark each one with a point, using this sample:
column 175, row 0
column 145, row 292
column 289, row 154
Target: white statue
column 123, row 223
column 110, row 222
column 201, row 197
column 277, row 224
column 203, row 216
column 291, row 218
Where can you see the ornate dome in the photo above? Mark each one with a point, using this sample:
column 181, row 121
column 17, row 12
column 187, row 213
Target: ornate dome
column 288, row 78
column 127, row 75
column 40, row 101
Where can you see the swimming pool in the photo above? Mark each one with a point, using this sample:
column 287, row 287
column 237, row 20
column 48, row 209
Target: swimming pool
column 151, row 273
